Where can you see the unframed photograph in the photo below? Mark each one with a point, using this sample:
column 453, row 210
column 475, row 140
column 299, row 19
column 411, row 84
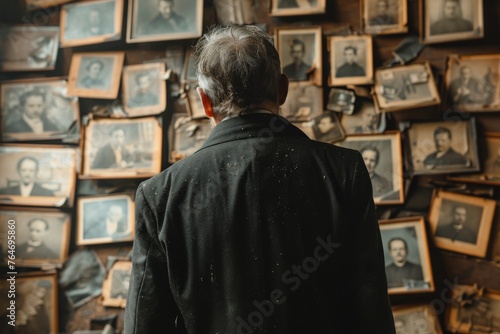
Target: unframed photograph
column 297, row 7
column 365, row 119
column 303, row 103
column 341, row 100
column 385, row 16
column 351, row 60
column 326, row 128
column 186, row 136
column 116, row 284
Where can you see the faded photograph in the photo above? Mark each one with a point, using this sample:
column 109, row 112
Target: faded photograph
column 417, row 319
column 341, row 100
column 450, row 16
column 459, row 221
column 366, row 119
column 382, row 12
column 143, row 85
column 350, row 59
column 95, row 73
column 187, row 136
column 297, row 53
column 326, row 128
column 303, row 103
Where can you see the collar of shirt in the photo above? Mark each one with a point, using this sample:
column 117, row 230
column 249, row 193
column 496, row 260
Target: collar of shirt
column 34, row 243
column 26, row 189
column 248, row 112
column 111, row 227
column 35, row 124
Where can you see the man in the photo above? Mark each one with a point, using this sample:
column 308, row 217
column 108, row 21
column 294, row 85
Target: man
column 383, row 16
column 380, row 184
column 457, row 228
column 35, row 247
column 41, row 55
column 112, row 225
column 326, row 128
column 369, row 121
column 452, row 21
column 114, row 154
column 33, row 118
column 401, row 269
column 92, row 80
column 95, row 26
column 27, row 168
column 166, row 21
column 297, row 70
column 232, row 238
column 350, row 68
column 465, row 89
column 445, row 155
column 143, row 95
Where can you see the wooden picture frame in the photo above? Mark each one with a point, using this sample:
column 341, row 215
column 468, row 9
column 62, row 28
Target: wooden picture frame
column 380, row 17
column 416, row 319
column 186, row 135
column 297, row 7
column 95, row 74
column 189, row 68
column 341, row 100
column 366, row 119
column 304, row 102
column 91, row 22
column 410, row 271
column 326, row 128
column 58, row 113
column 461, row 223
column 193, row 102
column 138, row 148
column 351, row 60
column 39, row 4
column 116, row 285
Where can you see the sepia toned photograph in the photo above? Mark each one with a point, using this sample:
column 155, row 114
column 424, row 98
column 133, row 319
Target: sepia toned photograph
column 189, row 69
column 326, row 128
column 461, row 223
column 38, row 109
column 451, row 20
column 37, row 175
column 407, row 261
column 383, row 159
column 144, row 89
column 116, row 284
column 234, row 12
column 300, row 53
column 186, row 136
column 105, row 219
column 341, row 100
column 162, row 20
column 297, row 7
column 96, row 74
column 38, row 4
column 416, row 319
column 193, row 102
column 365, row 119
column 351, row 60
column 384, row 16
column 24, row 49
column 405, row 87
column 126, row 148
column 304, row 102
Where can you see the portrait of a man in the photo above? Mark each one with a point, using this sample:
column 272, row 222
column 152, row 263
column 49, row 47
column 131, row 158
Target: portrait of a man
column 35, row 247
column 459, row 226
column 444, row 155
column 369, row 119
column 27, row 169
column 383, row 14
column 113, row 224
column 93, row 77
column 166, row 20
column 470, row 89
column 41, row 54
column 297, row 70
column 401, row 269
column 380, row 184
column 350, row 67
column 114, row 154
column 452, row 20
column 145, row 93
column 326, row 128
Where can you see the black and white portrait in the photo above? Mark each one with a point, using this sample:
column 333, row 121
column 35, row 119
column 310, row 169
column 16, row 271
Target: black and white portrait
column 351, row 60
column 186, row 136
column 365, row 119
column 115, row 287
column 458, row 221
column 326, row 128
column 385, row 16
column 341, row 100
column 297, row 7
column 303, row 103
column 95, row 73
column 416, row 319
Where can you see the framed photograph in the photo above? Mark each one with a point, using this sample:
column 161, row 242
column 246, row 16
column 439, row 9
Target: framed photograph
column 145, row 90
column 461, row 223
column 38, row 110
column 326, row 128
column 341, row 100
column 193, row 102
column 23, row 48
column 405, row 87
column 407, row 262
column 37, row 175
column 384, row 16
column 303, row 103
column 451, row 20
column 471, row 83
column 365, row 119
column 41, row 236
column 383, row 159
column 38, row 4
column 189, row 71
column 186, row 136
column 95, row 74
column 116, row 284
column 122, row 148
column 162, row 20
column 416, row 319
column 105, row 219
column 300, row 53
column 351, row 60
column 442, row 147
column 297, row 7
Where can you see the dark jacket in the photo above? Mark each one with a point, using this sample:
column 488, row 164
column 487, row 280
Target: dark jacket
column 396, row 275
column 37, row 190
column 39, row 252
column 105, row 157
column 450, row 158
column 260, row 227
column 350, row 70
column 21, row 126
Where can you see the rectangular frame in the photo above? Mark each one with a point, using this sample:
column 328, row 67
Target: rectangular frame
column 382, row 24
column 366, row 119
column 304, row 102
column 296, row 7
column 186, row 135
column 407, row 316
column 114, row 291
column 193, row 102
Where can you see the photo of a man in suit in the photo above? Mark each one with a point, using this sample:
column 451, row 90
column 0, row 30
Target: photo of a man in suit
column 458, row 228
column 92, row 79
column 451, row 20
column 467, row 89
column 444, row 155
column 369, row 121
column 401, row 269
column 166, row 21
column 350, row 68
column 383, row 15
column 114, row 154
column 326, row 128
column 297, row 70
column 112, row 225
column 27, row 168
column 35, row 247
column 380, row 184
column 144, row 95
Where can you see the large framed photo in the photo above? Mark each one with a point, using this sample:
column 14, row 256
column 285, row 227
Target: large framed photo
column 351, row 60
column 383, row 159
column 105, row 219
column 116, row 284
column 41, row 236
column 161, row 20
column 38, row 110
column 37, row 175
column 365, row 120
column 405, row 87
column 303, row 103
column 96, row 74
column 300, row 53
column 384, row 16
column 23, row 48
column 186, row 136
column 91, row 22
column 297, row 7
column 145, row 90
column 416, row 319
column 442, row 147
column 461, row 223
column 122, row 148
column 471, row 84
column 407, row 262
column 451, row 20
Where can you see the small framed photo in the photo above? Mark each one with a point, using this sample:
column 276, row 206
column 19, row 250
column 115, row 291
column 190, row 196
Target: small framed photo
column 300, row 52
column 37, row 175
column 42, row 237
column 162, row 20
column 186, row 136
column 405, row 87
column 407, row 262
column 471, row 84
column 91, row 22
column 23, row 48
column 95, row 74
column 193, row 102
column 351, row 60
column 326, row 128
column 189, row 71
column 122, row 148
column 451, row 20
column 341, row 100
column 461, row 223
column 105, row 219
column 383, row 159
column 416, row 319
column 442, row 147
column 384, row 16
column 297, row 7
column 38, row 110
column 366, row 119
column 38, row 4
column 116, row 284
column 303, row 103
column 145, row 90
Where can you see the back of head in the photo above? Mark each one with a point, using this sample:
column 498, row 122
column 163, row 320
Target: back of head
column 238, row 67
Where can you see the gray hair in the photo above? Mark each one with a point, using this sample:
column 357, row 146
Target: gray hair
column 237, row 67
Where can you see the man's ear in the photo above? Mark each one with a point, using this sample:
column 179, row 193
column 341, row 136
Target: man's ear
column 205, row 101
column 283, row 89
